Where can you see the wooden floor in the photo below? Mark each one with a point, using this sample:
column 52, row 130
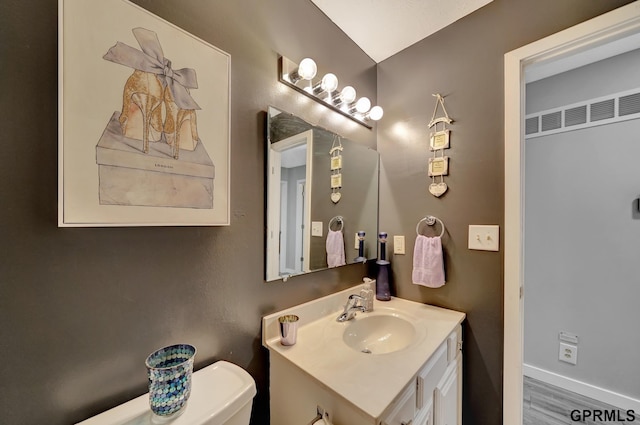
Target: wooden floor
column 545, row 404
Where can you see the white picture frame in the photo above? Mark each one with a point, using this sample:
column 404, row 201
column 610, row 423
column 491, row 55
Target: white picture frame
column 439, row 166
column 109, row 174
column 336, row 181
column 439, row 140
column 336, row 162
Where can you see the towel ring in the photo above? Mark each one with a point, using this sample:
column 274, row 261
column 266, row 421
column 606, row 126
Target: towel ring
column 340, row 221
column 430, row 220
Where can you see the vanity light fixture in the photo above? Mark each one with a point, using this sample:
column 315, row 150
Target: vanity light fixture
column 328, row 84
column 362, row 105
column 346, row 96
column 305, row 71
column 326, row 91
column 375, row 113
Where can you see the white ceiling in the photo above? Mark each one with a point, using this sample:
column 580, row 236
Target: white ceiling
column 294, row 156
column 382, row 28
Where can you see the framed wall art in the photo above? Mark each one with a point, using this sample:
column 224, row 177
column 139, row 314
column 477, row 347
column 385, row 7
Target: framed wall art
column 439, row 166
column 143, row 120
column 439, row 140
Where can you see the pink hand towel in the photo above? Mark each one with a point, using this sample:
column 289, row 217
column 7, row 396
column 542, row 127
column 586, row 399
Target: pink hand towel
column 335, row 249
column 428, row 263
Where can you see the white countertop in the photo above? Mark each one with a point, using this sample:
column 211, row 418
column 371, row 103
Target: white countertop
column 368, row 381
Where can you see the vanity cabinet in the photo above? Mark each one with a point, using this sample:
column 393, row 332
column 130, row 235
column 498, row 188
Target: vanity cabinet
column 409, row 371
column 404, row 410
column 432, row 397
column 435, row 396
column 447, row 396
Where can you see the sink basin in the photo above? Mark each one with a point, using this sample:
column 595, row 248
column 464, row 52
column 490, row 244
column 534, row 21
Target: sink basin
column 379, row 334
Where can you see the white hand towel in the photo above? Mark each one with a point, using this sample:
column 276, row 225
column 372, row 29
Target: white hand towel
column 428, row 263
column 335, row 249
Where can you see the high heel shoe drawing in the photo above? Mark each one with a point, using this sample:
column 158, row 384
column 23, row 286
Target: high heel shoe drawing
column 180, row 126
column 141, row 117
column 155, row 83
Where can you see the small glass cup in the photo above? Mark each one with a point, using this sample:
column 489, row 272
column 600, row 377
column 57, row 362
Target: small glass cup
column 169, row 370
column 288, row 329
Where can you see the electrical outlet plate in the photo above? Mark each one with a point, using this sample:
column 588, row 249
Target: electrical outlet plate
column 568, row 353
column 398, row 244
column 484, row 238
column 357, row 244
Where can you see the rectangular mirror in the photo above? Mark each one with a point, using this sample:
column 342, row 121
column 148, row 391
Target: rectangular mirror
column 302, row 206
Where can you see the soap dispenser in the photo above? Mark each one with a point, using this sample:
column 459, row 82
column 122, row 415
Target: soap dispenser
column 382, row 282
column 367, row 293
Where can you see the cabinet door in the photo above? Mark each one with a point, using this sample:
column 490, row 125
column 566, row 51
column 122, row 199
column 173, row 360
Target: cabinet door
column 430, row 375
column 405, row 409
column 445, row 400
column 425, row 415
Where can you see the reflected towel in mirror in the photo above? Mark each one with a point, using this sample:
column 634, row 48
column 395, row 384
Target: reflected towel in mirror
column 335, row 249
column 428, row 263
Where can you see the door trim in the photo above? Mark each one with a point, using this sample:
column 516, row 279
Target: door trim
column 272, row 269
column 603, row 29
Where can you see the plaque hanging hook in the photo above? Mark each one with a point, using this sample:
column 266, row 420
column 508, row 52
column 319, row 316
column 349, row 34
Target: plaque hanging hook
column 445, row 119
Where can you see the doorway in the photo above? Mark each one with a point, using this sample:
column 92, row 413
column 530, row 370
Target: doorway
column 288, row 209
column 571, row 43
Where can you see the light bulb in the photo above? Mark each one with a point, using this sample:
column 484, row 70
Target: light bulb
column 348, row 94
column 376, row 113
column 307, row 69
column 363, row 105
column 329, row 82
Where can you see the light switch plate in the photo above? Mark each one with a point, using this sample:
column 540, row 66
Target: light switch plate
column 484, row 237
column 316, row 228
column 398, row 244
column 357, row 244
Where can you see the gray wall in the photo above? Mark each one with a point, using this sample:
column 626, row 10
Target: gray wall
column 463, row 62
column 581, row 238
column 582, row 244
column 81, row 308
column 359, row 210
column 602, row 78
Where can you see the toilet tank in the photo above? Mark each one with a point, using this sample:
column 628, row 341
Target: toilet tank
column 221, row 394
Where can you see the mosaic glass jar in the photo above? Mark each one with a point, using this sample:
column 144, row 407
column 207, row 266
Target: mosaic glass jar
column 169, row 370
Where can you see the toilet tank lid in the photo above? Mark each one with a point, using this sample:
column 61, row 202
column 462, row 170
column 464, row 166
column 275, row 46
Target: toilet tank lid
column 218, row 392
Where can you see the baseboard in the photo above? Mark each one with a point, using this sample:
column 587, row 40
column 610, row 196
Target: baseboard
column 606, row 396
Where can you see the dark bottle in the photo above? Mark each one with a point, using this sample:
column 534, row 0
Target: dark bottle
column 384, row 268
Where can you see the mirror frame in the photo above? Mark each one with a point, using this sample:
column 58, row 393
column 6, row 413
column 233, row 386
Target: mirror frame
column 365, row 181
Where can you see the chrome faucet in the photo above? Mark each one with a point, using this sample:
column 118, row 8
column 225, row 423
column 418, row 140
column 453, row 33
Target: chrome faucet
column 353, row 305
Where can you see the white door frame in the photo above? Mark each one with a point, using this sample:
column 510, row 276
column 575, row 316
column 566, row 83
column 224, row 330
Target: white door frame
column 273, row 197
column 273, row 215
column 301, row 255
column 603, row 29
column 284, row 201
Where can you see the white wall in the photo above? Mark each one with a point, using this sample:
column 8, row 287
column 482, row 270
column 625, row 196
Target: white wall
column 582, row 240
